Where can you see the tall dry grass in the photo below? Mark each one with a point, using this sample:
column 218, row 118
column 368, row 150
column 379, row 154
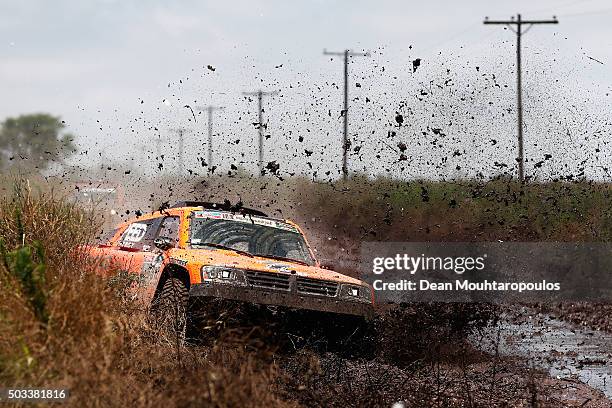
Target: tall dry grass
column 84, row 337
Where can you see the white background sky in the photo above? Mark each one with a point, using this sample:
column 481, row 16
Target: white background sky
column 107, row 66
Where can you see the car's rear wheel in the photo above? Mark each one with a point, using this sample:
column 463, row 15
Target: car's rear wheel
column 169, row 310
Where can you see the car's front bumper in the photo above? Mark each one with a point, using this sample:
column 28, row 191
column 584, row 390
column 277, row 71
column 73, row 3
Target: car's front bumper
column 288, row 299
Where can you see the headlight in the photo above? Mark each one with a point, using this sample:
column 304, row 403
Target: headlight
column 356, row 292
column 220, row 273
column 211, row 272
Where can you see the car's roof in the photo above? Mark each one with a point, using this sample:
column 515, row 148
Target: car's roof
column 175, row 210
column 225, row 206
column 199, row 208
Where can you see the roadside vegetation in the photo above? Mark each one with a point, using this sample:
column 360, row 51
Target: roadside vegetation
column 462, row 210
column 499, row 209
column 61, row 325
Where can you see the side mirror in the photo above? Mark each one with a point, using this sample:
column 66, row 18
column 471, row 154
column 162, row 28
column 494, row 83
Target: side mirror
column 163, row 243
column 328, row 264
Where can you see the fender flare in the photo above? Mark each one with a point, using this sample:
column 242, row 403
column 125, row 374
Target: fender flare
column 171, row 270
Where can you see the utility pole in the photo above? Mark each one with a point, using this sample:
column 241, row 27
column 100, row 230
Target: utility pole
column 209, row 110
column 181, row 133
column 260, row 94
column 345, row 140
column 158, row 142
column 518, row 23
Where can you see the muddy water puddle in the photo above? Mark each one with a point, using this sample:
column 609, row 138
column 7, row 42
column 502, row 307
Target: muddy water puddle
column 566, row 351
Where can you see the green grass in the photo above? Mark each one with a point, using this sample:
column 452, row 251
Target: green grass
column 387, row 209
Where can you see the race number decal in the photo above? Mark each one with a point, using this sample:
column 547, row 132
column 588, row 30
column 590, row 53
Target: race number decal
column 135, row 232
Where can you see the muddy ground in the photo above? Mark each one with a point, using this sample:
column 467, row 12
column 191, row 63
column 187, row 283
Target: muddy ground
column 594, row 315
column 418, row 355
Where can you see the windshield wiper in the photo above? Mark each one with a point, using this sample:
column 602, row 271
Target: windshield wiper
column 283, row 258
column 219, row 246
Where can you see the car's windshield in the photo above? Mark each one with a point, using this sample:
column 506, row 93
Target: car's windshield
column 255, row 235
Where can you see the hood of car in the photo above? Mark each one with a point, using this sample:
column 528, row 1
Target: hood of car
column 221, row 257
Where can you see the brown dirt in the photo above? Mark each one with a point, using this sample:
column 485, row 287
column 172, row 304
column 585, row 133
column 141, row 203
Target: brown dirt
column 594, row 315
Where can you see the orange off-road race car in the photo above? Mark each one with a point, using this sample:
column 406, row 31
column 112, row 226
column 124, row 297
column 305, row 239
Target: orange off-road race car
column 205, row 250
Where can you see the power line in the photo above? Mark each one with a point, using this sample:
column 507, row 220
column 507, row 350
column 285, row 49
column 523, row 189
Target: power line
column 210, row 109
column 260, row 125
column 345, row 140
column 518, row 24
column 181, row 133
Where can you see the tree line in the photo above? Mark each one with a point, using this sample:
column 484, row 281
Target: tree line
column 34, row 142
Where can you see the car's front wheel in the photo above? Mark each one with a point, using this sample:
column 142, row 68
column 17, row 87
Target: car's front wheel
column 169, row 310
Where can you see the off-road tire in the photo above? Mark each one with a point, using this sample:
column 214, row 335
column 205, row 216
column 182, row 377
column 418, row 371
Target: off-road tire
column 169, row 310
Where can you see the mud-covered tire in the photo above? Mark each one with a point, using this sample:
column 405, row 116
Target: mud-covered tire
column 169, row 310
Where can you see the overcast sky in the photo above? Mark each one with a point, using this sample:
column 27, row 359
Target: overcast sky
column 120, row 72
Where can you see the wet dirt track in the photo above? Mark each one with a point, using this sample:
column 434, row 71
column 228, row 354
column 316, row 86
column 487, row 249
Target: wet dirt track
column 566, row 351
